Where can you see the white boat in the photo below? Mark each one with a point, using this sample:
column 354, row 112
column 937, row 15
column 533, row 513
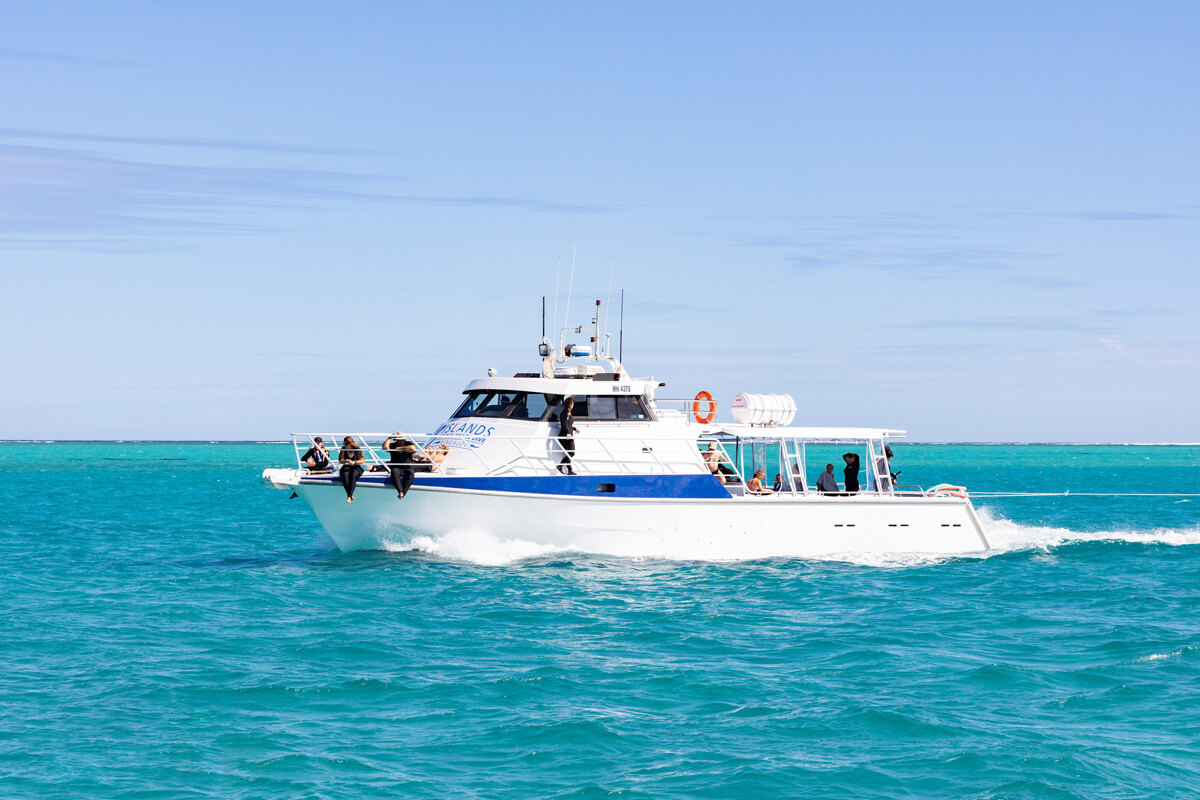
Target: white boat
column 643, row 485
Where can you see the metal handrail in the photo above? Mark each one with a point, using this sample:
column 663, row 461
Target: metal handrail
column 685, row 406
column 371, row 456
column 537, row 457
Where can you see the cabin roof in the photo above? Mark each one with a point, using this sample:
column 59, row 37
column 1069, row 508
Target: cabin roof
column 564, row 386
column 819, row 434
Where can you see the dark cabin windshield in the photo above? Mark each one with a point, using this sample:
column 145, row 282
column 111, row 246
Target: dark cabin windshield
column 506, row 405
column 536, row 406
column 608, row 407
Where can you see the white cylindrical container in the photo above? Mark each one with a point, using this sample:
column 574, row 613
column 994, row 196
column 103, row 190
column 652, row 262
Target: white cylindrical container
column 789, row 410
column 742, row 409
column 763, row 409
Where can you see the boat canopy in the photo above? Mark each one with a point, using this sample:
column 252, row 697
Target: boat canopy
column 807, row 434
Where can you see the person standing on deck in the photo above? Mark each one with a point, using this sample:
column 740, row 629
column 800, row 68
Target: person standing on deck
column 566, row 436
column 852, row 466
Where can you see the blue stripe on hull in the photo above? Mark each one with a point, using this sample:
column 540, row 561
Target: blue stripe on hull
column 681, row 486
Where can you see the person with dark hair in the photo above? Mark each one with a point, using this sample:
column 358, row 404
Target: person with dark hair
column 317, row 458
column 566, row 436
column 400, row 451
column 827, row 484
column 887, row 451
column 778, row 485
column 352, row 459
column 851, row 472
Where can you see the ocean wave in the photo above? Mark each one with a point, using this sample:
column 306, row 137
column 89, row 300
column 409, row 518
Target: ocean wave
column 1004, row 535
column 477, row 547
column 482, row 547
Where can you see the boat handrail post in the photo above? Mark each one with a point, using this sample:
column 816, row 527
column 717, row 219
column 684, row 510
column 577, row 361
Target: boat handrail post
column 882, row 483
column 521, row 453
column 613, row 460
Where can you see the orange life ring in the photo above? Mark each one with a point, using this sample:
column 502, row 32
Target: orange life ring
column 704, row 397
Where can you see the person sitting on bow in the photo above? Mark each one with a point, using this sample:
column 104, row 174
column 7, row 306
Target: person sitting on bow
column 317, row 457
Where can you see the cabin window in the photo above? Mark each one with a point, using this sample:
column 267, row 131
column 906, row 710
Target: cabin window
column 474, row 400
column 506, row 405
column 609, row 407
column 629, row 407
column 602, row 407
column 535, row 407
column 497, row 404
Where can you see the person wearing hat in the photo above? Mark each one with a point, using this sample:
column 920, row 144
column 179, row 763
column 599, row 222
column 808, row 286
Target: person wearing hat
column 401, row 454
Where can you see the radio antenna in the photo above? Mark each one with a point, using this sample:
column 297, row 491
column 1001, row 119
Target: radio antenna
column 543, row 316
column 557, row 272
column 607, row 307
column 621, row 336
column 570, row 284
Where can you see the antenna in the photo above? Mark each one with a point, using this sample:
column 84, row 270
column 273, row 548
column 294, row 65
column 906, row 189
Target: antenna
column 621, row 336
column 607, row 307
column 570, row 285
column 557, row 271
column 543, row 316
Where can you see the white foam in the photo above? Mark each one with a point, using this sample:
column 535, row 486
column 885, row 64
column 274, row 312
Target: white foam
column 1006, row 536
column 478, row 547
column 1164, row 656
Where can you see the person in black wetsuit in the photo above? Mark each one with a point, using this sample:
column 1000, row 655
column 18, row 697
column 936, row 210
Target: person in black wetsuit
column 566, row 434
column 352, row 459
column 317, row 459
column 852, row 463
column 401, row 454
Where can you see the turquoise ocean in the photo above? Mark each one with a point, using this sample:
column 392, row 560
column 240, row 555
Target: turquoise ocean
column 171, row 627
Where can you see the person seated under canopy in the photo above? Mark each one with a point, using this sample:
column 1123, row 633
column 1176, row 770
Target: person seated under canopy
column 827, row 484
column 714, row 458
column 755, row 484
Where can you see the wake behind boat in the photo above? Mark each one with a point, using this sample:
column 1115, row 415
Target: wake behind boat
column 627, row 473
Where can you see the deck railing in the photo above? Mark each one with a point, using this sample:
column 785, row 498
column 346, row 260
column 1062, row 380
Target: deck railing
column 627, row 455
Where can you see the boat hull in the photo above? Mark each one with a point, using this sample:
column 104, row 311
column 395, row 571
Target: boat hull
column 702, row 528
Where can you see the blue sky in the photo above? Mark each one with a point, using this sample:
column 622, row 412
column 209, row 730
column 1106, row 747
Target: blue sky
column 974, row 222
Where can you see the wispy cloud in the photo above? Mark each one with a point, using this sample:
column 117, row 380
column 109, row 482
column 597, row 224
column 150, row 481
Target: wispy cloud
column 915, row 261
column 14, row 54
column 170, row 141
column 1045, row 282
column 1136, row 312
column 1011, row 323
column 917, row 246
column 1127, row 216
column 529, row 204
column 57, row 197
